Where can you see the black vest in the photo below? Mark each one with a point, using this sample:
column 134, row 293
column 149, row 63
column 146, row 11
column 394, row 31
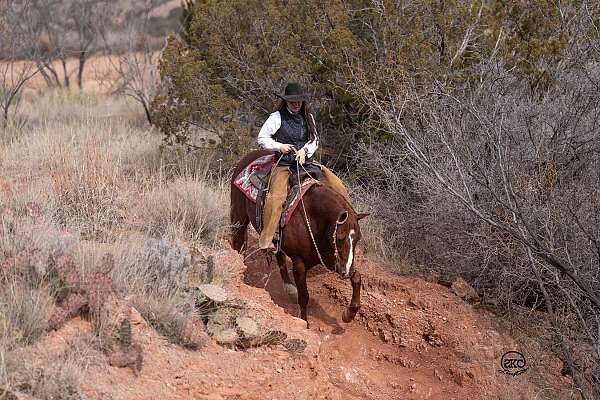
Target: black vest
column 294, row 131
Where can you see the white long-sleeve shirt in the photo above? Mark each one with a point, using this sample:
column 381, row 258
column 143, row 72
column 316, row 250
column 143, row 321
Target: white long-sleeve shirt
column 271, row 125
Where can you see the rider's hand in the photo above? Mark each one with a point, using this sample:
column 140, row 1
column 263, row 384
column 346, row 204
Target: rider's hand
column 286, row 148
column 301, row 156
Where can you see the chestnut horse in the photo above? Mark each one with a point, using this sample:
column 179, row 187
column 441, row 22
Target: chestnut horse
column 335, row 229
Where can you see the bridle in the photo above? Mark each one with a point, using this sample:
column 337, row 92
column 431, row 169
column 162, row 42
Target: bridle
column 312, row 236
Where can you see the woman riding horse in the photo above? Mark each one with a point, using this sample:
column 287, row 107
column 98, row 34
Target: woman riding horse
column 290, row 131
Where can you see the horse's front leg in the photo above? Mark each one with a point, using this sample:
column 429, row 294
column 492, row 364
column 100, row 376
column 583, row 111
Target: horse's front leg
column 300, row 279
column 349, row 313
column 287, row 282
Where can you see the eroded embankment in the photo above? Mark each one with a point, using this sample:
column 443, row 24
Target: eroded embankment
column 411, row 340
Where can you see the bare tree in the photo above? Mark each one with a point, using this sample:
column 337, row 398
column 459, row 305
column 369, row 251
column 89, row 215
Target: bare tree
column 61, row 30
column 136, row 65
column 89, row 19
column 16, row 66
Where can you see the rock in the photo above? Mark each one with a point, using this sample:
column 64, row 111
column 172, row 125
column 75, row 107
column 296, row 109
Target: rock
column 247, row 326
column 384, row 336
column 433, row 339
column 214, row 293
column 392, row 321
column 194, row 334
column 406, row 363
column 459, row 378
column 465, row 291
column 488, row 352
column 434, row 277
column 226, row 337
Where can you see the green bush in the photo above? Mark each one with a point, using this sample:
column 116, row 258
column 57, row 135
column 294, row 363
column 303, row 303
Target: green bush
column 235, row 54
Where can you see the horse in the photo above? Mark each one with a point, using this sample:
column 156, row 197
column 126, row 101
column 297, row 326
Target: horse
column 335, row 234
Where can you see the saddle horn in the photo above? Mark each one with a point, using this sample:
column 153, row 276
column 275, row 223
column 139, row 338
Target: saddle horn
column 342, row 218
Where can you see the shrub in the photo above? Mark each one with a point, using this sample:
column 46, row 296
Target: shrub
column 25, row 311
column 500, row 187
column 87, row 186
column 155, row 274
column 188, row 206
column 235, row 54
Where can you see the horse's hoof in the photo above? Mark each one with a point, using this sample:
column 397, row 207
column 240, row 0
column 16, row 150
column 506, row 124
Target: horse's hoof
column 348, row 316
column 291, row 291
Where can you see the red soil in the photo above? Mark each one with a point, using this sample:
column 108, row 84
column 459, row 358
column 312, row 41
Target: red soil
column 411, row 340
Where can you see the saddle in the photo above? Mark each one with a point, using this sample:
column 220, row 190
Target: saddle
column 298, row 184
column 253, row 181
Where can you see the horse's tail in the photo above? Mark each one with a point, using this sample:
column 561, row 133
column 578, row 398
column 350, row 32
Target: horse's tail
column 239, row 220
column 238, row 213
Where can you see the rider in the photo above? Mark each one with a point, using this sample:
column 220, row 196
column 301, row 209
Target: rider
column 290, row 131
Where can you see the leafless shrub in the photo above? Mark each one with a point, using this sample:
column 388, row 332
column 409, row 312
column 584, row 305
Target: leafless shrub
column 188, row 206
column 16, row 62
column 60, row 30
column 502, row 188
column 137, row 65
column 178, row 323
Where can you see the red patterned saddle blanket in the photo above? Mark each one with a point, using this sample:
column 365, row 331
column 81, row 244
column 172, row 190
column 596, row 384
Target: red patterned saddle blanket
column 248, row 184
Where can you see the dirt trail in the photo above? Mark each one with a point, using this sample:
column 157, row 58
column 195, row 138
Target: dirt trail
column 411, row 340
column 361, row 358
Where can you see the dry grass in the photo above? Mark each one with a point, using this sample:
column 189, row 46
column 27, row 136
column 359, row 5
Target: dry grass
column 82, row 176
column 25, row 313
column 61, row 379
column 167, row 316
column 191, row 207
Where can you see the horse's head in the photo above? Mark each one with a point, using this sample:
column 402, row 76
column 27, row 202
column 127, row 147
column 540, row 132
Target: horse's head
column 346, row 234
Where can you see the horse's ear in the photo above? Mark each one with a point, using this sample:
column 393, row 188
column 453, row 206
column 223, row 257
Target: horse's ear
column 362, row 215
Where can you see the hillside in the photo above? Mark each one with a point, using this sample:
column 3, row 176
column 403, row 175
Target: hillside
column 102, row 186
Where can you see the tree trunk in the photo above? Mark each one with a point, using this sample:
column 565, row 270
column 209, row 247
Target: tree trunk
column 65, row 72
column 55, row 80
column 82, row 60
column 147, row 111
column 5, row 116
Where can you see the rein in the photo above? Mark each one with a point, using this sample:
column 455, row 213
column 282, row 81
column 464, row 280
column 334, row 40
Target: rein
column 312, row 237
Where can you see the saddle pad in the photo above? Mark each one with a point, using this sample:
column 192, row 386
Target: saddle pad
column 242, row 181
column 295, row 199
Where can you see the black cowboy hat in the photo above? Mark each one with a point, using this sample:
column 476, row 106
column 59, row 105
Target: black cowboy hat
column 293, row 92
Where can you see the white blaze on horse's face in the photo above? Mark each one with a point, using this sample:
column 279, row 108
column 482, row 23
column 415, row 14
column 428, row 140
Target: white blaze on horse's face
column 350, row 254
